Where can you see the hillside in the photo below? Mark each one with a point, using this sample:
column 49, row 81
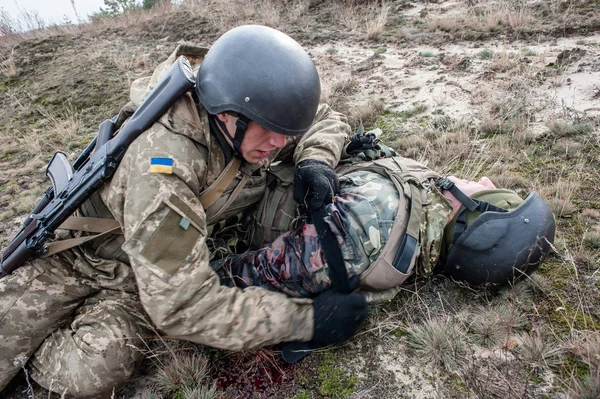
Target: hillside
column 507, row 89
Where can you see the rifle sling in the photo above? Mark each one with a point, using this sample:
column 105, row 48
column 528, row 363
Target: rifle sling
column 62, row 245
column 232, row 197
column 90, row 225
column 105, row 227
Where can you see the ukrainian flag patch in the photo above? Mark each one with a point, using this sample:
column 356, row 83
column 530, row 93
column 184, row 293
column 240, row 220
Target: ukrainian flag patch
column 161, row 165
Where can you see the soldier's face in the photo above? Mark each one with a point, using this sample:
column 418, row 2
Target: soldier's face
column 258, row 142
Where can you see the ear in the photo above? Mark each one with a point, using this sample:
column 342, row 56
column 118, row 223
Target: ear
column 223, row 117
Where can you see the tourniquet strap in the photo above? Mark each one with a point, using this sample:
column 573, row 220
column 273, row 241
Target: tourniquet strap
column 333, row 253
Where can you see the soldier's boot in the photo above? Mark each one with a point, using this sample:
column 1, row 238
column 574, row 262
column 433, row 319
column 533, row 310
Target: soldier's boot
column 34, row 301
column 97, row 352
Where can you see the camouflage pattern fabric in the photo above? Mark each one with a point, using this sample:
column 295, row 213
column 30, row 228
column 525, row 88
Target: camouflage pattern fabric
column 365, row 211
column 80, row 337
column 52, row 303
column 362, row 217
column 433, row 222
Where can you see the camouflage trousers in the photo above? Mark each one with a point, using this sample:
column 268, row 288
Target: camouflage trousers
column 361, row 218
column 75, row 336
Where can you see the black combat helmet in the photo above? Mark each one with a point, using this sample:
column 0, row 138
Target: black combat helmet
column 262, row 74
column 499, row 246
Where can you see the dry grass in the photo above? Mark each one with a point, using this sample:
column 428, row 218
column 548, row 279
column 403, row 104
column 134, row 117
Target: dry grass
column 503, row 62
column 439, row 342
column 487, row 16
column 369, row 17
column 8, row 67
column 337, row 92
column 184, row 372
column 586, row 388
column 560, row 196
column 560, row 129
column 491, row 326
column 270, row 12
column 586, row 346
column 298, row 9
column 537, row 351
column 366, row 113
column 374, row 25
column 591, row 239
column 446, row 153
column 349, row 14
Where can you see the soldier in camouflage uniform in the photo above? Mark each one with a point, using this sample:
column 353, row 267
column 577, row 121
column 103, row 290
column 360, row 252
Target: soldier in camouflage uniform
column 77, row 319
column 364, row 213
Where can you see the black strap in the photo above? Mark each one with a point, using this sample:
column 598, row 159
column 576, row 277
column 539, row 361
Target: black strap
column 218, row 135
column 241, row 125
column 467, row 202
column 405, row 254
column 333, row 253
column 460, row 225
column 448, row 185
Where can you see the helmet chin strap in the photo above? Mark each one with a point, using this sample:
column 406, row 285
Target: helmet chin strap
column 468, row 203
column 241, row 125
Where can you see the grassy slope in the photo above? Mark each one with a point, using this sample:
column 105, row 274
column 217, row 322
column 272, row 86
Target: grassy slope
column 437, row 339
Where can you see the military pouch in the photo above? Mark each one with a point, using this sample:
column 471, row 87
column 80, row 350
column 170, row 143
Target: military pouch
column 277, row 209
column 397, row 259
column 172, row 242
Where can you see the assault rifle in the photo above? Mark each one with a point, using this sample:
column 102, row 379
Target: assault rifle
column 72, row 185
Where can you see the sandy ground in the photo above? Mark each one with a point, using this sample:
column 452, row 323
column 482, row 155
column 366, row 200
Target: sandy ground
column 456, row 79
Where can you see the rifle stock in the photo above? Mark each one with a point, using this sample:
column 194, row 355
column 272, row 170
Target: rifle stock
column 91, row 172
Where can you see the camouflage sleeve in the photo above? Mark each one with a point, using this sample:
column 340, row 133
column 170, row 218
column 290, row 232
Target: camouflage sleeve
column 165, row 231
column 325, row 140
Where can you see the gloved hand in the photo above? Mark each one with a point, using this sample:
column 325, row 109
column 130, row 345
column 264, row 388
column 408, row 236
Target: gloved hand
column 315, row 184
column 336, row 316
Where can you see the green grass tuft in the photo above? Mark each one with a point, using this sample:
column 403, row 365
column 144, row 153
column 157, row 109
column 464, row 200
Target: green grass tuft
column 485, row 54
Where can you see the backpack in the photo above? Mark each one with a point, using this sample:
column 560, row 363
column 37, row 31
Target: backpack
column 277, row 213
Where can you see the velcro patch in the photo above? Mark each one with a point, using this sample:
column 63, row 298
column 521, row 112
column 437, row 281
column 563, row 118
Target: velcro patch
column 172, row 243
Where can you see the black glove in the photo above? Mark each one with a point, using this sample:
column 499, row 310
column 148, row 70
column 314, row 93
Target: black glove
column 336, row 318
column 315, row 184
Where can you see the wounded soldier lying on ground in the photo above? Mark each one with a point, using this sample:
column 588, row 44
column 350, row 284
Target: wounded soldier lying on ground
column 394, row 218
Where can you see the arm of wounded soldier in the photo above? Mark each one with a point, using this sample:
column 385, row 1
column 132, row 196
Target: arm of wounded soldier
column 183, row 295
column 324, row 141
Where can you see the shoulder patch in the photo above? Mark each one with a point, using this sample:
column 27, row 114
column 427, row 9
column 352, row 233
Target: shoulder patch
column 161, row 165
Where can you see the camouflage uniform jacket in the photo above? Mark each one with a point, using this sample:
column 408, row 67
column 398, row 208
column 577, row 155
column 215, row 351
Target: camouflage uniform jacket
column 165, row 226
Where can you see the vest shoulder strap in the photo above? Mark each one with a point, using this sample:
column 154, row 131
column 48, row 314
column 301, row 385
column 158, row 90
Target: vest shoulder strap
column 215, row 190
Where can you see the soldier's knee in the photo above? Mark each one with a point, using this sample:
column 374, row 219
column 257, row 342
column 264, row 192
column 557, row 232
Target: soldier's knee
column 91, row 367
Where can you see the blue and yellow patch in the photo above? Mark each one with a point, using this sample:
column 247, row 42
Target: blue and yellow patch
column 161, row 165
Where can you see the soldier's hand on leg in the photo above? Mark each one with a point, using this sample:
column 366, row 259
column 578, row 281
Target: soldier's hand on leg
column 336, row 316
column 315, row 184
